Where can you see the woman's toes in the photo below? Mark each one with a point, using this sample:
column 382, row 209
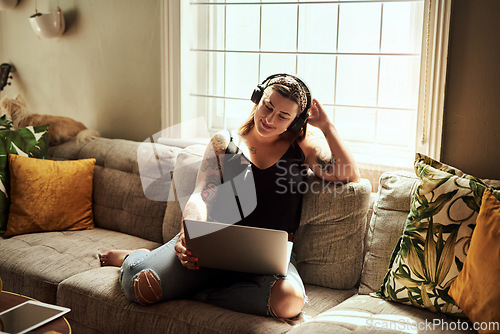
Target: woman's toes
column 103, row 258
column 114, row 257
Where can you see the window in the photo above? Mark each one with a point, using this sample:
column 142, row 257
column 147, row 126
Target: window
column 366, row 61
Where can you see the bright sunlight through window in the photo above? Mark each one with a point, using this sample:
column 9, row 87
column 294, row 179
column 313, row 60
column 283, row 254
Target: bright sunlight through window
column 361, row 60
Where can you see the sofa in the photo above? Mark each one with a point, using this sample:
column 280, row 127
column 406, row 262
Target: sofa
column 343, row 248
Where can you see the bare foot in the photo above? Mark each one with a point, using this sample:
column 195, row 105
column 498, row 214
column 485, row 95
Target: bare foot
column 115, row 257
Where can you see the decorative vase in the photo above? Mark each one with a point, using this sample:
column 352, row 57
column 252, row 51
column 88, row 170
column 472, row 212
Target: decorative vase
column 48, row 25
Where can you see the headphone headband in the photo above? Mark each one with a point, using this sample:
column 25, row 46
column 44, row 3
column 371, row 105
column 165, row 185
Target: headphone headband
column 293, row 82
column 304, row 92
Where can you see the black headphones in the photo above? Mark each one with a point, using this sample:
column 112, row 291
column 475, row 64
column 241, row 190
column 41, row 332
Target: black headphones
column 300, row 120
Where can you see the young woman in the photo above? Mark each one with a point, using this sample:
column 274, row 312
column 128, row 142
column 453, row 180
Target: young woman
column 280, row 150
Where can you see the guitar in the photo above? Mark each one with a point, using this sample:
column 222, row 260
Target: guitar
column 5, row 71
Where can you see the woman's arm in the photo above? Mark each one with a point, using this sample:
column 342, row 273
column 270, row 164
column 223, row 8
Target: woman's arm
column 328, row 156
column 199, row 203
column 209, row 177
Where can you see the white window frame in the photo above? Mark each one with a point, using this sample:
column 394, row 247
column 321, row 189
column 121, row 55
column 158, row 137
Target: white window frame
column 170, row 63
column 434, row 63
column 434, row 54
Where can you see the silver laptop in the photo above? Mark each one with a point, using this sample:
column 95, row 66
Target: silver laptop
column 238, row 248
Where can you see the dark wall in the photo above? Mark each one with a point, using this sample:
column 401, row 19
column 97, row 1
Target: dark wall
column 471, row 130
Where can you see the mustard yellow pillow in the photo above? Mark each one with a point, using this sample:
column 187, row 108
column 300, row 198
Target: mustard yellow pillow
column 476, row 289
column 49, row 195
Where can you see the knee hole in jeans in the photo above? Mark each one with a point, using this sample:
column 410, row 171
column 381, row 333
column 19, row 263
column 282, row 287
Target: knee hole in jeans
column 285, row 301
column 147, row 287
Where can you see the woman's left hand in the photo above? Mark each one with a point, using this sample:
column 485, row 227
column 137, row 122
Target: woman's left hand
column 318, row 116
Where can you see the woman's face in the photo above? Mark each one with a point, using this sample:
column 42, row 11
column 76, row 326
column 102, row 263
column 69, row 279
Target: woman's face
column 274, row 113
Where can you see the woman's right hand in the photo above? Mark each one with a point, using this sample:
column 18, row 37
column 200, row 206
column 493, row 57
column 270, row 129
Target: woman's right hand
column 184, row 255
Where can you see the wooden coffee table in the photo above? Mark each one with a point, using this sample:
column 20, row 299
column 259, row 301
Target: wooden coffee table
column 10, row 299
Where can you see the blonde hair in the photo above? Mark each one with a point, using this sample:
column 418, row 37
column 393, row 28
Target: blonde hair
column 287, row 135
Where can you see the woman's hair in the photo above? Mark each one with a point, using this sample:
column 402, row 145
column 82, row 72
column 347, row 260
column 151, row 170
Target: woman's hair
column 288, row 93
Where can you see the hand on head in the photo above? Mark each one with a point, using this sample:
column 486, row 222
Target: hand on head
column 317, row 115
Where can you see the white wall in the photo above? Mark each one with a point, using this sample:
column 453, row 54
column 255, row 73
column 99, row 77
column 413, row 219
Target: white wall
column 104, row 71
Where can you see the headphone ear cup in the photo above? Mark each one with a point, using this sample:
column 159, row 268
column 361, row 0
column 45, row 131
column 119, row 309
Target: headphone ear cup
column 296, row 125
column 257, row 94
column 299, row 122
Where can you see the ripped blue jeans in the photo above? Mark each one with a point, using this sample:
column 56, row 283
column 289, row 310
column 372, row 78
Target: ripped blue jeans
column 167, row 279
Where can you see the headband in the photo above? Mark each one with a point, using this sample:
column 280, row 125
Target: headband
column 294, row 85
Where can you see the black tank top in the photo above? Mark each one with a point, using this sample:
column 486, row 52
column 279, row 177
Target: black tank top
column 278, row 189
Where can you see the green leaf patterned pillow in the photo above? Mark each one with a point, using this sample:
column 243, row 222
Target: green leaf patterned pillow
column 5, row 123
column 29, row 142
column 431, row 252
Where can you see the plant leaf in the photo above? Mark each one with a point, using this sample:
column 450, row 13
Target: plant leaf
column 470, row 202
column 425, row 299
column 446, row 258
column 430, row 255
column 415, row 263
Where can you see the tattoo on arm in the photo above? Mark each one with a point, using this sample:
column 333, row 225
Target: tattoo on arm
column 219, row 144
column 205, row 196
column 210, row 188
column 326, row 162
column 209, row 177
column 211, row 169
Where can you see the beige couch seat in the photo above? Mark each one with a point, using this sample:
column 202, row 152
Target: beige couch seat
column 38, row 262
column 96, row 295
column 366, row 314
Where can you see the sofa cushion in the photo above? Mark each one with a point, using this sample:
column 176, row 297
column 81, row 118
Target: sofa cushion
column 329, row 240
column 386, row 226
column 49, row 195
column 120, row 205
column 390, row 211
column 476, row 288
column 120, row 202
column 366, row 314
column 184, row 180
column 31, row 142
column 433, row 247
column 34, row 264
column 95, row 295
